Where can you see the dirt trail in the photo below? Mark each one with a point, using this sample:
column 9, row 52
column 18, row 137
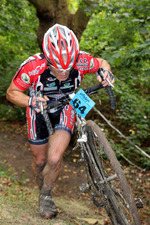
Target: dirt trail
column 74, row 207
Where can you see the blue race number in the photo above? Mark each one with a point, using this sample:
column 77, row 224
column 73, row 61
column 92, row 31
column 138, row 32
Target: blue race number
column 82, row 103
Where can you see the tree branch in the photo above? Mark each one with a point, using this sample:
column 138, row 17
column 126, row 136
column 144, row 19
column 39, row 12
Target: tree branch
column 50, row 12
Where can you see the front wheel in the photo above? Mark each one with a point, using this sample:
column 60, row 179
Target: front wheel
column 107, row 178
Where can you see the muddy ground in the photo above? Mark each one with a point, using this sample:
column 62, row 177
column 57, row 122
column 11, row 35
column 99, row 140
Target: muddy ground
column 15, row 154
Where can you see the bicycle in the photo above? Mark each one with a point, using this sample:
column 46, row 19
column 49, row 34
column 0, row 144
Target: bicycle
column 105, row 178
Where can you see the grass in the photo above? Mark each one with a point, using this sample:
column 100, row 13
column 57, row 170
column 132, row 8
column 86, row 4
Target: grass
column 16, row 200
column 19, row 204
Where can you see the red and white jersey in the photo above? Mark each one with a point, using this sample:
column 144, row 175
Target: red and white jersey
column 35, row 72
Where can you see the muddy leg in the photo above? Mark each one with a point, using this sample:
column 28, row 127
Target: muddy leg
column 39, row 153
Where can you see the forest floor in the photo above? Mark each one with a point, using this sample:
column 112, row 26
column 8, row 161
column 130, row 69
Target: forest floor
column 19, row 192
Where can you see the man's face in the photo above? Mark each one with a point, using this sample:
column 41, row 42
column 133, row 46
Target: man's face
column 61, row 75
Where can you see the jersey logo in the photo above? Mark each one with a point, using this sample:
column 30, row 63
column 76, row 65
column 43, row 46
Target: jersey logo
column 51, row 84
column 37, row 70
column 51, row 79
column 67, row 86
column 91, row 64
column 25, row 78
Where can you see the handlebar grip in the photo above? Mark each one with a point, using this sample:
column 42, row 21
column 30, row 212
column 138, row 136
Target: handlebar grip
column 93, row 89
column 111, row 96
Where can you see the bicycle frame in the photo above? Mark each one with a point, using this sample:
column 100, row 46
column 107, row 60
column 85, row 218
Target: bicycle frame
column 80, row 123
column 100, row 182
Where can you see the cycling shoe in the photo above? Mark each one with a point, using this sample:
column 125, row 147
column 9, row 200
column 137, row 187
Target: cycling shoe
column 48, row 209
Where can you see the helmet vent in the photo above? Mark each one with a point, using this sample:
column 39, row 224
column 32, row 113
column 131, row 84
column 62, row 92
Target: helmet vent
column 60, row 47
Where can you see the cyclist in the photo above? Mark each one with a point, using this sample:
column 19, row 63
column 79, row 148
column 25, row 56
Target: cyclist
column 57, row 71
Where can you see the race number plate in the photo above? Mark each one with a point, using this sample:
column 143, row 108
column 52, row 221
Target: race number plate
column 82, row 103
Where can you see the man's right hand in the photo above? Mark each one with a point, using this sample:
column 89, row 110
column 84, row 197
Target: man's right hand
column 37, row 103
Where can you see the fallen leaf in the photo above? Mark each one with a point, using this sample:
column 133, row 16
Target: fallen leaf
column 7, row 182
column 93, row 221
column 76, row 155
column 13, row 196
column 67, row 170
column 65, row 177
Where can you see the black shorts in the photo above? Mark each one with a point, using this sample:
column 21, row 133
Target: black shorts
column 37, row 130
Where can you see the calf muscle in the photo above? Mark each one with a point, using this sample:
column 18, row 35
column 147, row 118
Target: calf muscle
column 55, row 157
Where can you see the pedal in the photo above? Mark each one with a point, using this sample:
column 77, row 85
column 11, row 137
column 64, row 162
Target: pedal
column 139, row 203
column 76, row 147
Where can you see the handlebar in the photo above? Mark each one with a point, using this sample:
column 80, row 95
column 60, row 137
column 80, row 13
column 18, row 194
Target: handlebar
column 61, row 102
column 89, row 91
column 109, row 89
column 110, row 92
column 111, row 96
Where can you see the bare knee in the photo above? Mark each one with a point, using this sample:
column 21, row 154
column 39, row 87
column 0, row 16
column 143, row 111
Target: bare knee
column 54, row 161
column 40, row 161
column 39, row 153
column 59, row 141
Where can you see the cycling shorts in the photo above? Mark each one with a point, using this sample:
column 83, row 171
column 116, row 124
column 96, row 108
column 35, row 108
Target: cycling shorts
column 37, row 130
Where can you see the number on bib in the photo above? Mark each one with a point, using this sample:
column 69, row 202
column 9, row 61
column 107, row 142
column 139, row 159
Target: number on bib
column 82, row 103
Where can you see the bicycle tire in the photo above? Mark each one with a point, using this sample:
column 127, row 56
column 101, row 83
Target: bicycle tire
column 113, row 209
column 103, row 191
column 94, row 177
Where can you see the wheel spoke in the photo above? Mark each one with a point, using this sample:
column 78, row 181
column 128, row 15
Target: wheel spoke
column 107, row 178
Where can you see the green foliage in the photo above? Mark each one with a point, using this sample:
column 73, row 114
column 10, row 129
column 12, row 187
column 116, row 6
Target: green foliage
column 73, row 5
column 12, row 112
column 119, row 33
column 18, row 40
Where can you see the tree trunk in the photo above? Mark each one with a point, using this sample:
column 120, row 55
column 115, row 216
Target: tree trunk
column 51, row 12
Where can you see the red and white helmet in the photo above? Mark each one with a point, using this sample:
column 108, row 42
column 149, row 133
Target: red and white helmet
column 60, row 47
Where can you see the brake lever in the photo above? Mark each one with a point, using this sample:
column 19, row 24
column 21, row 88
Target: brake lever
column 102, row 76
